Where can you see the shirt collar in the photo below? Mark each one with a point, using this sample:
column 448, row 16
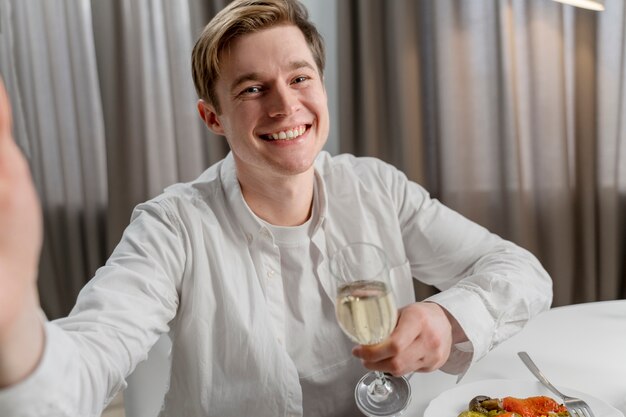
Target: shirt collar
column 248, row 222
column 322, row 203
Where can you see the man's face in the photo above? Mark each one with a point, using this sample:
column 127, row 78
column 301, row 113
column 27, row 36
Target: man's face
column 274, row 110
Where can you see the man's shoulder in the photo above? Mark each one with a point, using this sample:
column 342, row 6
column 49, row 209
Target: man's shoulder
column 202, row 190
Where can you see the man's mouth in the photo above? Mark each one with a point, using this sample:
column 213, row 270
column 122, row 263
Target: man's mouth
column 288, row 134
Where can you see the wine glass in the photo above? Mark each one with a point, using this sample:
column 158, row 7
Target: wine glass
column 367, row 313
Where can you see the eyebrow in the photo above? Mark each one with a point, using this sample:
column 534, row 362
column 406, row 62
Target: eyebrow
column 255, row 76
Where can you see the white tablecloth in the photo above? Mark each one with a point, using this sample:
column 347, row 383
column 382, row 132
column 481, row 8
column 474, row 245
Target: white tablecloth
column 581, row 346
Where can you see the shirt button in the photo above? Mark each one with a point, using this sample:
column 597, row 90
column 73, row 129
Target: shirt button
column 270, row 273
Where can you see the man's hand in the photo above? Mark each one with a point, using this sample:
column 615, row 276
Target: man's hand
column 21, row 331
column 421, row 341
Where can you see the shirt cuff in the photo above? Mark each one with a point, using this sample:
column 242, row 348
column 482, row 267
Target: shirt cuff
column 470, row 312
column 459, row 361
column 32, row 397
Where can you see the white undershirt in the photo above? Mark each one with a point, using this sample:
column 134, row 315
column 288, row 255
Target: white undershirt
column 310, row 324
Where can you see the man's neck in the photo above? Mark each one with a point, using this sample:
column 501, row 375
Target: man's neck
column 284, row 201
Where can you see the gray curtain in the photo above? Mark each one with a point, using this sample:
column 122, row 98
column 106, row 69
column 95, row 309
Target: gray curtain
column 154, row 136
column 104, row 108
column 508, row 111
column 49, row 65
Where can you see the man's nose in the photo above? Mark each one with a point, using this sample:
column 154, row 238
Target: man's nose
column 283, row 101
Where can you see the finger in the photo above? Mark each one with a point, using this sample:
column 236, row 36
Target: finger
column 407, row 330
column 5, row 113
column 413, row 359
column 388, row 366
column 408, row 361
column 391, row 347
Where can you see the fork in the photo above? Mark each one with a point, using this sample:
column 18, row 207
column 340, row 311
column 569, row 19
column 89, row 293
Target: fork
column 575, row 406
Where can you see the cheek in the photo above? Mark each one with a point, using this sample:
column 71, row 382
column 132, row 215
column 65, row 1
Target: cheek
column 239, row 121
column 318, row 104
column 324, row 115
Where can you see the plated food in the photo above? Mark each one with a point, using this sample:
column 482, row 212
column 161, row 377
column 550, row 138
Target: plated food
column 537, row 406
column 451, row 402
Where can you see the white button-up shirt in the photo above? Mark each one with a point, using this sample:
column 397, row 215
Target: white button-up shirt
column 195, row 262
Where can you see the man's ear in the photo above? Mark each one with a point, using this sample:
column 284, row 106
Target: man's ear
column 209, row 117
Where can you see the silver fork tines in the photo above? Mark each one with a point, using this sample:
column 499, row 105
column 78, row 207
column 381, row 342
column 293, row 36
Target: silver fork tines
column 575, row 406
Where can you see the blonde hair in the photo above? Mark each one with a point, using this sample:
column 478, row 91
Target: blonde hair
column 243, row 17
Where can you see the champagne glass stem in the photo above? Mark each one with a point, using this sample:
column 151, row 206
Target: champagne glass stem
column 366, row 311
column 380, row 388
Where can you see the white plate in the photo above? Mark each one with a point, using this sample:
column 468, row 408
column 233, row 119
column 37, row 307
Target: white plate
column 453, row 401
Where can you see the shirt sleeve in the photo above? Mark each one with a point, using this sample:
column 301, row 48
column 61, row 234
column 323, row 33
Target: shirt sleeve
column 118, row 316
column 491, row 286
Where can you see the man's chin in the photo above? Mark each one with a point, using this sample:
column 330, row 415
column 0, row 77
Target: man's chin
column 293, row 168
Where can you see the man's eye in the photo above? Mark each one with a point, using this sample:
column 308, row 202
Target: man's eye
column 300, row 79
column 251, row 90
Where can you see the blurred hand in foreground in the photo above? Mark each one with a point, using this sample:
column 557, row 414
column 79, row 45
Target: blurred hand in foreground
column 20, row 226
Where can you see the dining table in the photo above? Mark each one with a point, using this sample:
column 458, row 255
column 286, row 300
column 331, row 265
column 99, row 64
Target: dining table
column 578, row 347
column 581, row 348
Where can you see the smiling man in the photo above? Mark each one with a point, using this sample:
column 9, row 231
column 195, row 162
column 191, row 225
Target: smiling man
column 234, row 265
column 274, row 115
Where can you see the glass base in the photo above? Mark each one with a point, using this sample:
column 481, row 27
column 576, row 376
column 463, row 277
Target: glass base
column 377, row 405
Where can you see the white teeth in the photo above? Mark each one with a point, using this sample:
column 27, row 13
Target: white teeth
column 288, row 134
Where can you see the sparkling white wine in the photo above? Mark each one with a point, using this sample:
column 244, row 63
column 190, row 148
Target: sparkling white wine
column 366, row 311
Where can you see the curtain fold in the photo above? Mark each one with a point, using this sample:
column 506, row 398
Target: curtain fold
column 8, row 71
column 611, row 154
column 509, row 111
column 499, row 108
column 55, row 91
column 104, row 107
column 154, row 135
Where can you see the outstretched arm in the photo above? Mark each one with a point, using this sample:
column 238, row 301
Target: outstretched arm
column 21, row 328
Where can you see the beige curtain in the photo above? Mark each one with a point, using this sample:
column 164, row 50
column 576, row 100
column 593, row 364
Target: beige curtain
column 54, row 90
column 154, row 136
column 611, row 149
column 508, row 111
column 104, row 107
